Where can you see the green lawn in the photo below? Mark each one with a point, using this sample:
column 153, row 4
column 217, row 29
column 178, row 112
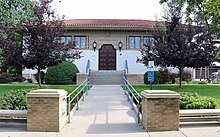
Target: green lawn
column 204, row 90
column 4, row 88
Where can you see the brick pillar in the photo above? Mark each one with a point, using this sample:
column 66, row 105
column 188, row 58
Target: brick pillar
column 160, row 110
column 46, row 110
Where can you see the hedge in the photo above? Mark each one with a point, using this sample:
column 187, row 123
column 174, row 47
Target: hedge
column 194, row 101
column 62, row 73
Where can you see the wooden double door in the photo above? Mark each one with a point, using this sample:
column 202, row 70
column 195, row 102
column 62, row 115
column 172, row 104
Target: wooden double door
column 107, row 57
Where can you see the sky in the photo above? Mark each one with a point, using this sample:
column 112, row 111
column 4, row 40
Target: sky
column 109, row 9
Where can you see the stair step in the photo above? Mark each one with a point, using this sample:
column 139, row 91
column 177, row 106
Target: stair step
column 106, row 77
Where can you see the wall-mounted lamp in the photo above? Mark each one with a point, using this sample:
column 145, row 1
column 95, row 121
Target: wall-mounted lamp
column 120, row 46
column 94, row 45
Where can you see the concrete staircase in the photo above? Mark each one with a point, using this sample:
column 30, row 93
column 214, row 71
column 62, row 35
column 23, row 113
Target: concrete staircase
column 106, row 77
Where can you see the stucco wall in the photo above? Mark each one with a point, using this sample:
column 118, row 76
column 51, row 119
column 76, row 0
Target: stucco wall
column 107, row 37
column 130, row 55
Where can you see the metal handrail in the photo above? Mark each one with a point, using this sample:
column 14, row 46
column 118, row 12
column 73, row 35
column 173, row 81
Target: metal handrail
column 130, row 92
column 83, row 89
column 126, row 66
column 88, row 66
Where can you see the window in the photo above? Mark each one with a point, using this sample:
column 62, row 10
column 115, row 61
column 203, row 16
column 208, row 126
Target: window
column 134, row 42
column 80, row 41
column 66, row 39
column 148, row 41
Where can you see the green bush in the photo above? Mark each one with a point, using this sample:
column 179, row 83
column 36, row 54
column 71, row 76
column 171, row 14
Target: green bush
column 19, row 79
column 5, row 77
column 14, row 100
column 62, row 73
column 157, row 78
column 162, row 76
column 166, row 76
column 186, row 76
column 194, row 101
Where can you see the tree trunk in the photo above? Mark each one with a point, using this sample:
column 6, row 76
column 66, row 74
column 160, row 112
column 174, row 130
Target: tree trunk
column 181, row 77
column 200, row 74
column 39, row 77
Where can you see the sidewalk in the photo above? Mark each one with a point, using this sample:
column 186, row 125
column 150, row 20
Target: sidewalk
column 107, row 113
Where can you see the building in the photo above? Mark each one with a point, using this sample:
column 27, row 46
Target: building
column 108, row 43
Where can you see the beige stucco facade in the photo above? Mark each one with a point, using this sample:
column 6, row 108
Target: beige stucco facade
column 108, row 37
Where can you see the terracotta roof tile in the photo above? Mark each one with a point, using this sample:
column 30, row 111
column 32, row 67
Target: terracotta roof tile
column 108, row 22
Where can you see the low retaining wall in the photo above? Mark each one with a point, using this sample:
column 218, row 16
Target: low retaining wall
column 80, row 78
column 135, row 78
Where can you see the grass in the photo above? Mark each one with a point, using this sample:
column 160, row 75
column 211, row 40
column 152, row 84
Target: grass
column 4, row 88
column 203, row 90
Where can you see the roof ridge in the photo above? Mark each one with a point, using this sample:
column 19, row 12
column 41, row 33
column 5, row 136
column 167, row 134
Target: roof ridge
column 109, row 22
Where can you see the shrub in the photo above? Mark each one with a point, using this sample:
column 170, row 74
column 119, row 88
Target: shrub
column 5, row 77
column 173, row 77
column 62, row 73
column 187, row 76
column 19, row 78
column 29, row 80
column 157, row 78
column 12, row 71
column 194, row 101
column 14, row 100
column 42, row 75
column 161, row 77
column 166, row 76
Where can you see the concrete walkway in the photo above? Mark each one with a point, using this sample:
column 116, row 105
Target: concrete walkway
column 107, row 113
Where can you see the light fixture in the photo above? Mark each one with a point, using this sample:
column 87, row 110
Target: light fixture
column 120, row 46
column 94, row 45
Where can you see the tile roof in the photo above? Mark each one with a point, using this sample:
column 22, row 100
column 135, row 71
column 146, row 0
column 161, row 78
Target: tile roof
column 109, row 22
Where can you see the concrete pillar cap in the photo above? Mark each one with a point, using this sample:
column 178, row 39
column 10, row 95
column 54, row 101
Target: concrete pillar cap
column 160, row 94
column 47, row 93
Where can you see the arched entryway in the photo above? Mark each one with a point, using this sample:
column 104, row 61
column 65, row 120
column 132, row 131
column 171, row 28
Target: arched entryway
column 107, row 57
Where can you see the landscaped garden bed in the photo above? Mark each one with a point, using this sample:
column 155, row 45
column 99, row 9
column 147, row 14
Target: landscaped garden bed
column 14, row 96
column 207, row 91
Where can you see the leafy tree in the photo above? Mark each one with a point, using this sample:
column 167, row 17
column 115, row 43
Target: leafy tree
column 40, row 47
column 12, row 13
column 203, row 12
column 212, row 12
column 182, row 45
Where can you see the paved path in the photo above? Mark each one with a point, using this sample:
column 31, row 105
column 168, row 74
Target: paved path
column 107, row 113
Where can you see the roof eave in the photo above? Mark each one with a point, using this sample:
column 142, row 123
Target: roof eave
column 129, row 28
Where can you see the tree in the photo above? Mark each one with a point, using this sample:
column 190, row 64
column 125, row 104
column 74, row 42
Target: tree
column 12, row 13
column 182, row 45
column 41, row 48
column 212, row 12
column 204, row 12
column 201, row 12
